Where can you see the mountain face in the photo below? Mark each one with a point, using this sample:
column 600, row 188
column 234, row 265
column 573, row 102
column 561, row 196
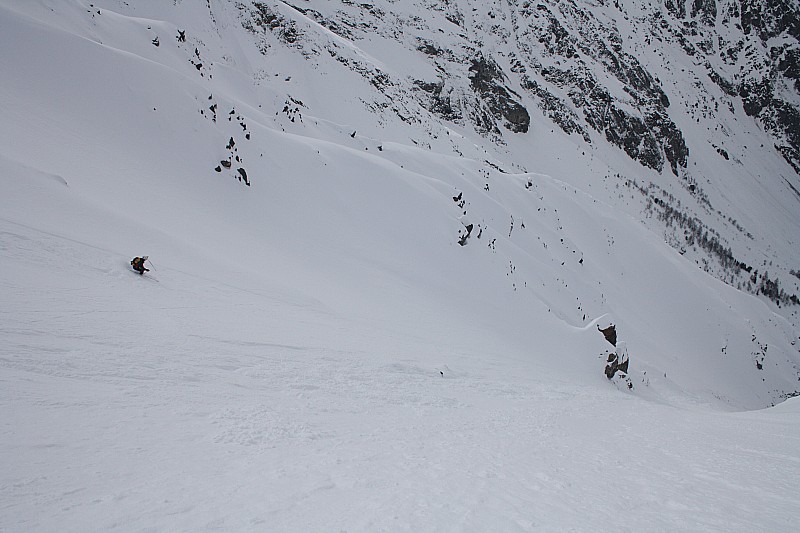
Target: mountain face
column 642, row 77
column 571, row 60
column 413, row 265
column 577, row 63
column 535, row 124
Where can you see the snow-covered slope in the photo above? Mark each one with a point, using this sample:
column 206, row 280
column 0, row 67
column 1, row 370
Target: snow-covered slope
column 388, row 319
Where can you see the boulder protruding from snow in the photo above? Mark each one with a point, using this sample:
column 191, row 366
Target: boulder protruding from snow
column 610, row 333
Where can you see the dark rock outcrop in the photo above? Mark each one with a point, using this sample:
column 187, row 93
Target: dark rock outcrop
column 610, row 334
column 487, row 81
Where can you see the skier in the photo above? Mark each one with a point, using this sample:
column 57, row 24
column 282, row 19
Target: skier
column 138, row 264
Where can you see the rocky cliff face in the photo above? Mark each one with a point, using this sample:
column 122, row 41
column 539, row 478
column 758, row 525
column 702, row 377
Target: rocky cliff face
column 570, row 61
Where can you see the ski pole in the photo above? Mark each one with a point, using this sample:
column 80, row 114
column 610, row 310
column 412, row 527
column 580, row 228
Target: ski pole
column 152, row 265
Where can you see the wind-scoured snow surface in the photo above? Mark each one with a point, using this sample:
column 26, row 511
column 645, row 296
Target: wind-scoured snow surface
column 316, row 351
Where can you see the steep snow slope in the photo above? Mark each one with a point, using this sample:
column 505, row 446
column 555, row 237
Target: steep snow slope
column 214, row 398
column 318, row 337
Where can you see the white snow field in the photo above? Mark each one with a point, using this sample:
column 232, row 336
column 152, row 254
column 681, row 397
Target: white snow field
column 316, row 351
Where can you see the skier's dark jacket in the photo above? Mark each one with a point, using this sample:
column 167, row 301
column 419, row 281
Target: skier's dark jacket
column 138, row 265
